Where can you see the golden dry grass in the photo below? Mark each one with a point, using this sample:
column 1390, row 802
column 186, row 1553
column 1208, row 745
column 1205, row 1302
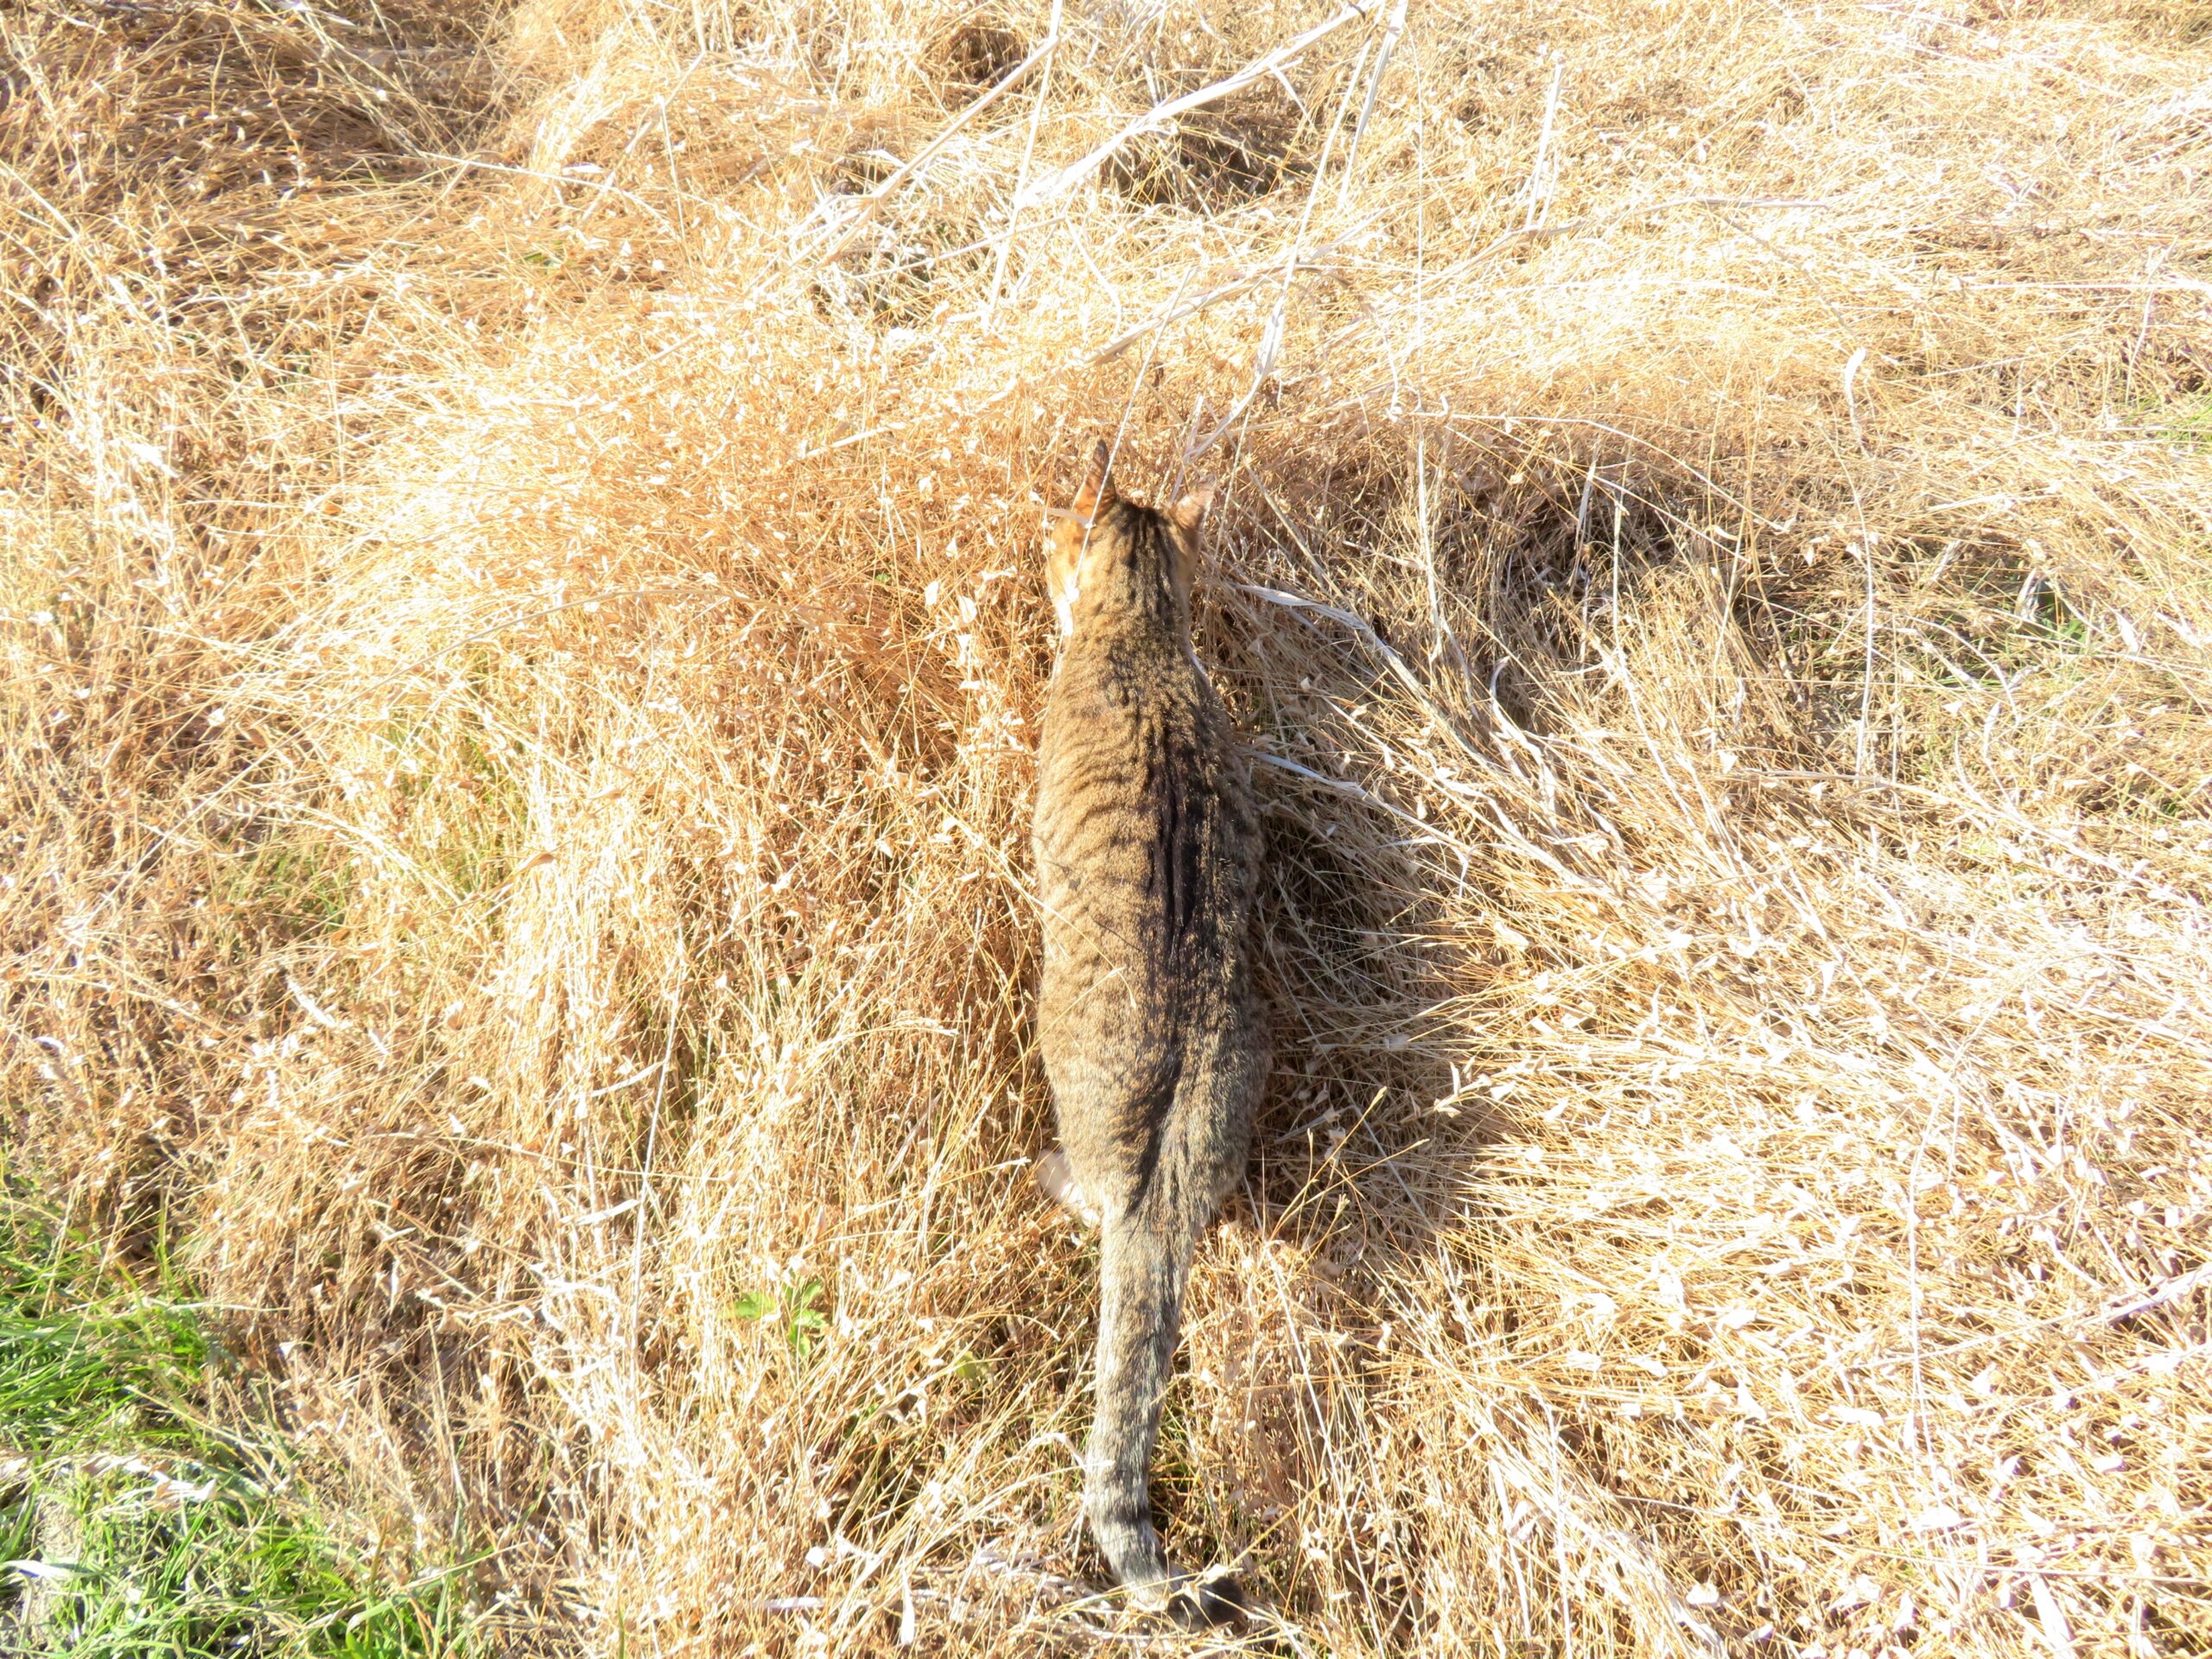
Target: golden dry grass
column 522, row 651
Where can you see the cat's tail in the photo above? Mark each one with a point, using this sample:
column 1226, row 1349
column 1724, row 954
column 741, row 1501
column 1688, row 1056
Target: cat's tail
column 1145, row 1259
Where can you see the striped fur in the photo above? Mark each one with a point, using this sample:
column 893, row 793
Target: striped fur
column 1151, row 1027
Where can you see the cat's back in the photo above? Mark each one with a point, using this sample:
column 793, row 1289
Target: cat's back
column 1144, row 826
column 1123, row 718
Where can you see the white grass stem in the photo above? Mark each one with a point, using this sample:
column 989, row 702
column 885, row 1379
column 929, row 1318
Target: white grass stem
column 870, row 205
column 1021, row 179
column 1391, row 30
column 1067, row 178
column 1539, row 185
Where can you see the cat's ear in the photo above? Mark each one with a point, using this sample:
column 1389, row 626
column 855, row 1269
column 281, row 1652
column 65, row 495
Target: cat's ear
column 1190, row 512
column 1097, row 488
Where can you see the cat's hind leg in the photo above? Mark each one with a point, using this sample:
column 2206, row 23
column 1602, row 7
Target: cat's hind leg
column 1056, row 1180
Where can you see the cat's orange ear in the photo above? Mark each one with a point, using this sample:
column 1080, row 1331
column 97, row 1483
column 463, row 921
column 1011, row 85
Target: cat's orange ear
column 1190, row 512
column 1097, row 488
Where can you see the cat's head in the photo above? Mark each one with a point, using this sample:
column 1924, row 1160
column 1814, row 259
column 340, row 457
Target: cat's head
column 1107, row 550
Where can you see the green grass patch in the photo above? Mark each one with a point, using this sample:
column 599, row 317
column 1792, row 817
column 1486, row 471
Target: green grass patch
column 2189, row 424
column 298, row 887
column 795, row 1312
column 130, row 1524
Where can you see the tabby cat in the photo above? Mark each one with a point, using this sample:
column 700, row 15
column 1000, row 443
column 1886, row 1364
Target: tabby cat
column 1152, row 1029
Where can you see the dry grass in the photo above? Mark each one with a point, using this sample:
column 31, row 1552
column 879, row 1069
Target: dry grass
column 520, row 656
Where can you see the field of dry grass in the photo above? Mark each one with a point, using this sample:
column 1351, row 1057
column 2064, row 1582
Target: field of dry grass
column 522, row 644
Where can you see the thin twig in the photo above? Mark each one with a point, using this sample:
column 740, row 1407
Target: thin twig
column 1391, row 30
column 1059, row 183
column 871, row 204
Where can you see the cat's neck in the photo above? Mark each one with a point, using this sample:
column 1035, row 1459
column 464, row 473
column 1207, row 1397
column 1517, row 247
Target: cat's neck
column 1129, row 597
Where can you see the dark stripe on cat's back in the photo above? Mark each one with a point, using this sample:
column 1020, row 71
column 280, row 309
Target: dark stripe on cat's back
column 1179, row 816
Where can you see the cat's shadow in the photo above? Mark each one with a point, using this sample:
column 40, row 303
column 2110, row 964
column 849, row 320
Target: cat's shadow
column 1366, row 1148
column 1376, row 1149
